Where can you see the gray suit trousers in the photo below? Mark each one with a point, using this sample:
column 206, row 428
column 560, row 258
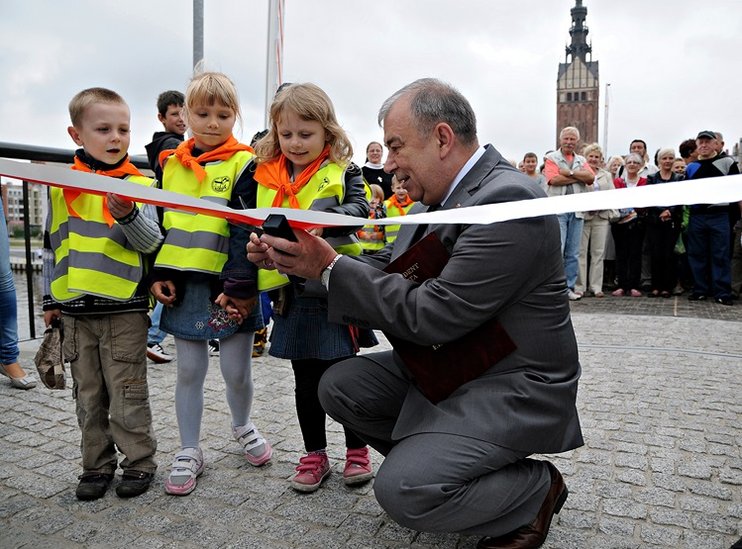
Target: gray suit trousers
column 432, row 481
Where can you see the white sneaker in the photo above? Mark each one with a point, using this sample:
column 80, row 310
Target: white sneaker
column 257, row 450
column 573, row 296
column 187, row 467
column 157, row 354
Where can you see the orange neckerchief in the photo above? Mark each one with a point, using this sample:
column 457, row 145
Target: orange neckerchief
column 274, row 174
column 222, row 152
column 393, row 201
column 126, row 168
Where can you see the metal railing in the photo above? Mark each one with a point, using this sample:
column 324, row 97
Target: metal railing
column 42, row 154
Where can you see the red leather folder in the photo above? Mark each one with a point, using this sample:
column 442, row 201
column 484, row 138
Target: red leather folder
column 438, row 370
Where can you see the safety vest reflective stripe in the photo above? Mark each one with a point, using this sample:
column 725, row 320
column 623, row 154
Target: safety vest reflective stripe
column 91, row 257
column 197, row 242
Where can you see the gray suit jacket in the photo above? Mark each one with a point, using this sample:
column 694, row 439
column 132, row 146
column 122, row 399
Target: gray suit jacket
column 512, row 270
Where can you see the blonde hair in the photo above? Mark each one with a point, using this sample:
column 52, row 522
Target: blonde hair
column 591, row 148
column 82, row 100
column 310, row 103
column 376, row 192
column 210, row 88
column 665, row 151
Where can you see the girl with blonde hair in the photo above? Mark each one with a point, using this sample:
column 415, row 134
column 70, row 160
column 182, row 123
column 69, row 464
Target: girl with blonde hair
column 200, row 270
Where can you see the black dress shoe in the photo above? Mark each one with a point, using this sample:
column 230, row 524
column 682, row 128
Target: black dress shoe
column 93, row 486
column 134, row 483
column 533, row 534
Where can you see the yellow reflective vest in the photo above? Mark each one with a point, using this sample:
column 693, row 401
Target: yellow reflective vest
column 324, row 190
column 393, row 211
column 89, row 256
column 198, row 242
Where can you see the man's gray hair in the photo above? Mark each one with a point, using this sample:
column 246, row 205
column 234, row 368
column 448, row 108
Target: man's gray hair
column 433, row 101
column 570, row 129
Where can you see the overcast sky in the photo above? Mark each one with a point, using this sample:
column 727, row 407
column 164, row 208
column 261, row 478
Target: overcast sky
column 674, row 67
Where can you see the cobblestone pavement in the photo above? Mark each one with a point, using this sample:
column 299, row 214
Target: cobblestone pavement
column 661, row 467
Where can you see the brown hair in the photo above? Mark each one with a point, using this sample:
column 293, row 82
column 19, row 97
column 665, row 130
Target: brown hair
column 310, row 102
column 82, row 100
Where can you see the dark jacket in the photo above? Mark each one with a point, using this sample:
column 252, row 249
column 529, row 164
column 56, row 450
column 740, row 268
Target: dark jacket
column 161, row 141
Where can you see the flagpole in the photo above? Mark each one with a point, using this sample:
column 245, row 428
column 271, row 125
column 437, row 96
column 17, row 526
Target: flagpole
column 605, row 121
column 198, row 31
column 274, row 53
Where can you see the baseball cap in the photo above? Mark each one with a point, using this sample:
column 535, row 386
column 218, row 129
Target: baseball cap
column 706, row 134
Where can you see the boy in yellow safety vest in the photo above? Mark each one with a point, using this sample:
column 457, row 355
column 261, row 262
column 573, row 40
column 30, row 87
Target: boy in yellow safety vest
column 96, row 285
column 399, row 204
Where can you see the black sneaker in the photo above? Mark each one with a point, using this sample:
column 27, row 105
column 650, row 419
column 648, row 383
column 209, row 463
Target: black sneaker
column 93, row 485
column 134, row 483
column 213, row 347
column 696, row 297
column 724, row 301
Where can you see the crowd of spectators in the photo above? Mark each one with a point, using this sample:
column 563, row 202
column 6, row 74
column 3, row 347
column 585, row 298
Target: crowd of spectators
column 652, row 252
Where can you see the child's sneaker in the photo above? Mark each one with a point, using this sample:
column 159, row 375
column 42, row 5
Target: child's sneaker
column 257, row 450
column 188, row 465
column 357, row 466
column 259, row 343
column 213, row 347
column 313, row 469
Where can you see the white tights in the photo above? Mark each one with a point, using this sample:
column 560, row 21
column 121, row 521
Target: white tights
column 235, row 361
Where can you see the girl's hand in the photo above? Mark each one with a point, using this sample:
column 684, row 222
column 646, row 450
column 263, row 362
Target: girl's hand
column 118, row 206
column 237, row 308
column 164, row 292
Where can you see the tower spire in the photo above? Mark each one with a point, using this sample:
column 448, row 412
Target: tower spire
column 578, row 31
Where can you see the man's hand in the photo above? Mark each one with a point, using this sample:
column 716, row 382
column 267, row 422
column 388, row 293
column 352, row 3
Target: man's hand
column 118, row 206
column 306, row 258
column 164, row 292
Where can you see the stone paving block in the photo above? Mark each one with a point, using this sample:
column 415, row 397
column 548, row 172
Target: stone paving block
column 660, row 536
column 632, row 476
column 14, row 502
column 30, row 483
column 715, row 523
column 624, row 508
column 656, row 497
column 617, row 526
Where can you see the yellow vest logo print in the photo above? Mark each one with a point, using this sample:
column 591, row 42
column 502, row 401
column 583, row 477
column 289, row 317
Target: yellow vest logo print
column 221, row 184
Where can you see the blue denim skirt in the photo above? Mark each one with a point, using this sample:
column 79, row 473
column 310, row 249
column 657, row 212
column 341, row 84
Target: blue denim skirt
column 196, row 317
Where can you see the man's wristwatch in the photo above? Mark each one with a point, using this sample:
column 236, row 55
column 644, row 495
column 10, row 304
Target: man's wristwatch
column 324, row 276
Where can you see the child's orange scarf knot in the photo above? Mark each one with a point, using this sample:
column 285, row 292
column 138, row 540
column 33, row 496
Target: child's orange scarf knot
column 70, row 195
column 274, row 174
column 394, row 201
column 183, row 153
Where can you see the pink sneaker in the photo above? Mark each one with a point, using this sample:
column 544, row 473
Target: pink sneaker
column 257, row 450
column 187, row 467
column 635, row 293
column 313, row 469
column 617, row 293
column 357, row 466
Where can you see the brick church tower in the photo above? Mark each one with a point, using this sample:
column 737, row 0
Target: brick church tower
column 577, row 84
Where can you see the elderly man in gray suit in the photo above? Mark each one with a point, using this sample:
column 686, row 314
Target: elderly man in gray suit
column 462, row 464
